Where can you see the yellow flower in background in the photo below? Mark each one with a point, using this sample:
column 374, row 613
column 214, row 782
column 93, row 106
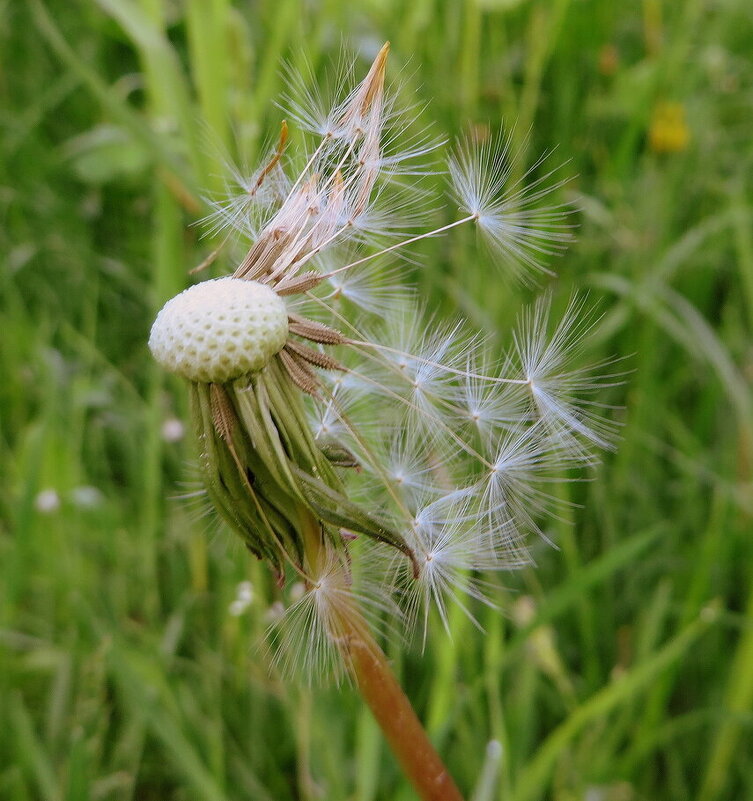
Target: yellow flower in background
column 668, row 132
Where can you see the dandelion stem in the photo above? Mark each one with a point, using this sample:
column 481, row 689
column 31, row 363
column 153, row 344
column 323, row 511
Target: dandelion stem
column 397, row 719
column 380, row 689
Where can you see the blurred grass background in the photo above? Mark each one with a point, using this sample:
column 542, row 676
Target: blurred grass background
column 622, row 667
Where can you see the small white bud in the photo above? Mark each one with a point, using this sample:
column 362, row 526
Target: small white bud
column 172, row 430
column 86, row 497
column 237, row 608
column 47, row 501
column 297, row 591
column 219, row 330
column 245, row 592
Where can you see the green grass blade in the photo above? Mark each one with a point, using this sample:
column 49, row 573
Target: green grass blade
column 533, row 779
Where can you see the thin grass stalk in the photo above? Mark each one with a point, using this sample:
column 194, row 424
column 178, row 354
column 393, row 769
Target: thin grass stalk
column 738, row 700
column 206, row 28
column 281, row 27
column 167, row 275
column 494, row 643
column 545, row 28
column 654, row 710
column 444, row 685
column 470, row 57
column 368, row 758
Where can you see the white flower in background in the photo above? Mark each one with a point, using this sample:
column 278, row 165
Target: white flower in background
column 47, row 501
column 87, row 497
column 173, row 430
column 244, row 596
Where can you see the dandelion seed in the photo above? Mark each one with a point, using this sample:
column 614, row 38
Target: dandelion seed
column 487, row 407
column 248, row 197
column 506, row 209
column 560, row 394
column 377, row 290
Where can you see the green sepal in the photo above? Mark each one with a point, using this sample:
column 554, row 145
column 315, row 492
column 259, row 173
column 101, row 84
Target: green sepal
column 334, row 508
column 246, row 497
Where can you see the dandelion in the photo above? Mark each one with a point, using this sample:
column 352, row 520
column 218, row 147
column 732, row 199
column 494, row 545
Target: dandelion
column 378, row 460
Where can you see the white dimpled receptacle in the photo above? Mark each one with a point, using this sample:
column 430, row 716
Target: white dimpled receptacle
column 219, row 330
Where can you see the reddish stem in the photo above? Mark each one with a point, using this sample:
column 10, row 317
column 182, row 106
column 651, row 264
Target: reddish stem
column 377, row 683
column 397, row 719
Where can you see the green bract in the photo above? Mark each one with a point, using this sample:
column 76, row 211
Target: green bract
column 265, row 473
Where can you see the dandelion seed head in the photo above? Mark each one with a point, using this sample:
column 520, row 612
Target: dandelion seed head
column 220, row 329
